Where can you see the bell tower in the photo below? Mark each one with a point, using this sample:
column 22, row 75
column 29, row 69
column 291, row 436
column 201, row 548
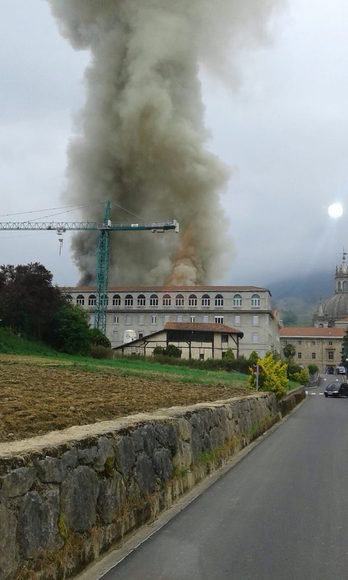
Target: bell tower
column 341, row 276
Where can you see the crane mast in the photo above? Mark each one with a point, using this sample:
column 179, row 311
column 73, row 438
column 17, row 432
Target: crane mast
column 103, row 250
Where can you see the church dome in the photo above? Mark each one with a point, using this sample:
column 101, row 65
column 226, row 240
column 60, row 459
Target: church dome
column 336, row 306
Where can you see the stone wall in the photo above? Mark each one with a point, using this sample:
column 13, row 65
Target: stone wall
column 69, row 496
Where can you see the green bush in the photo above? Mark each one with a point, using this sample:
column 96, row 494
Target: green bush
column 170, row 351
column 301, row 377
column 99, row 351
column 98, row 338
column 312, row 369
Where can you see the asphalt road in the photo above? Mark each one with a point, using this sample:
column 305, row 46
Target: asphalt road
column 281, row 513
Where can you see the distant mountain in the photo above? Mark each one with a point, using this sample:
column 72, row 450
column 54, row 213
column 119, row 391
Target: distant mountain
column 296, row 298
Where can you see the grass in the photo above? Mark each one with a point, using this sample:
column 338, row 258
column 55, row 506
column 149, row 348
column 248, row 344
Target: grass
column 125, row 367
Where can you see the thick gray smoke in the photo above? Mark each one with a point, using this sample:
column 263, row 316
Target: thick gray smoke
column 143, row 140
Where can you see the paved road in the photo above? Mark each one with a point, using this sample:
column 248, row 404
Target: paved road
column 280, row 514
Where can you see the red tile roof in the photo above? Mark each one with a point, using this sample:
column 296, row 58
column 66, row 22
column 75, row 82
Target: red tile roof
column 309, row 332
column 202, row 326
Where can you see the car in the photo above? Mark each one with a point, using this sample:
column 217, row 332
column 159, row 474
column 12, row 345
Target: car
column 336, row 390
column 341, row 370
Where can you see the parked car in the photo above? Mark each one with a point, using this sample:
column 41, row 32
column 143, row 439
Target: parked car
column 340, row 370
column 336, row 390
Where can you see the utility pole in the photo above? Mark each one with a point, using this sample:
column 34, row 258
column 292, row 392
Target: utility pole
column 104, row 229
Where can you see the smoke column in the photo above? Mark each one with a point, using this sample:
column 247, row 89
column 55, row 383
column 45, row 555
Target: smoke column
column 142, row 141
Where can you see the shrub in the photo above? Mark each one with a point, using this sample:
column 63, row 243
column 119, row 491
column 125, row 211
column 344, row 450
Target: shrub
column 272, row 376
column 312, row 369
column 170, row 351
column 100, row 351
column 301, row 377
column 253, row 358
column 98, row 338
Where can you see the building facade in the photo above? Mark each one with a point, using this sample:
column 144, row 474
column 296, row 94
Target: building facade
column 314, row 345
column 196, row 340
column 135, row 312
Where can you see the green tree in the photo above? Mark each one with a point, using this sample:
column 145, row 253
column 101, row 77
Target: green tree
column 289, row 351
column 28, row 299
column 253, row 358
column 70, row 332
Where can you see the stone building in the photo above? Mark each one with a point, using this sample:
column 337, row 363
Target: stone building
column 196, row 340
column 314, row 345
column 335, row 309
column 135, row 312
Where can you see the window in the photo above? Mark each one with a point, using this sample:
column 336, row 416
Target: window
column 141, row 319
column 192, row 300
column 179, row 318
column 167, row 301
column 205, row 300
column 153, row 319
column 313, row 342
column 299, row 355
column 166, row 318
column 330, row 355
column 128, row 301
column 80, row 300
column 104, row 300
column 299, row 342
column 219, row 300
column 141, row 334
column 153, row 300
column 68, row 297
column 219, row 319
column 201, row 356
column 255, row 337
column 115, row 334
column 314, row 355
column 237, row 320
column 128, row 319
column 179, row 300
column 116, row 300
column 116, row 319
column 255, row 320
column 205, row 318
column 141, row 300
column 92, row 300
column 330, row 342
column 224, row 338
column 193, row 318
column 237, row 300
column 255, row 301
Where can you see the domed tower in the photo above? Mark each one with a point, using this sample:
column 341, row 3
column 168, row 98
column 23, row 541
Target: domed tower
column 336, row 307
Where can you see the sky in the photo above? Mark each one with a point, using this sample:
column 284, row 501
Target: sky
column 283, row 132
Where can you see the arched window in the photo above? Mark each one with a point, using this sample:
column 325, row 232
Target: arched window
column 80, row 300
column 141, row 300
column 153, row 300
column 167, row 301
column 237, row 300
column 193, row 300
column 68, row 297
column 219, row 300
column 205, row 300
column 128, row 301
column 344, row 286
column 116, row 300
column 255, row 301
column 92, row 300
column 179, row 300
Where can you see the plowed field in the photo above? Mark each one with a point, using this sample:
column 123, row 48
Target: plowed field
column 40, row 395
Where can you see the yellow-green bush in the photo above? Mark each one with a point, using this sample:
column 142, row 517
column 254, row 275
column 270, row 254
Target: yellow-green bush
column 272, row 375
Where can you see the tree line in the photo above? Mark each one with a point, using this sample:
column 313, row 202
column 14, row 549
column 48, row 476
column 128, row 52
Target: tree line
column 33, row 307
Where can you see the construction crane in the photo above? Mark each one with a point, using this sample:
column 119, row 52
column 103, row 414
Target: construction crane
column 103, row 251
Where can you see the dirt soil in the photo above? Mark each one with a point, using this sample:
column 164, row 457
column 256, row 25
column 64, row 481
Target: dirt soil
column 38, row 396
